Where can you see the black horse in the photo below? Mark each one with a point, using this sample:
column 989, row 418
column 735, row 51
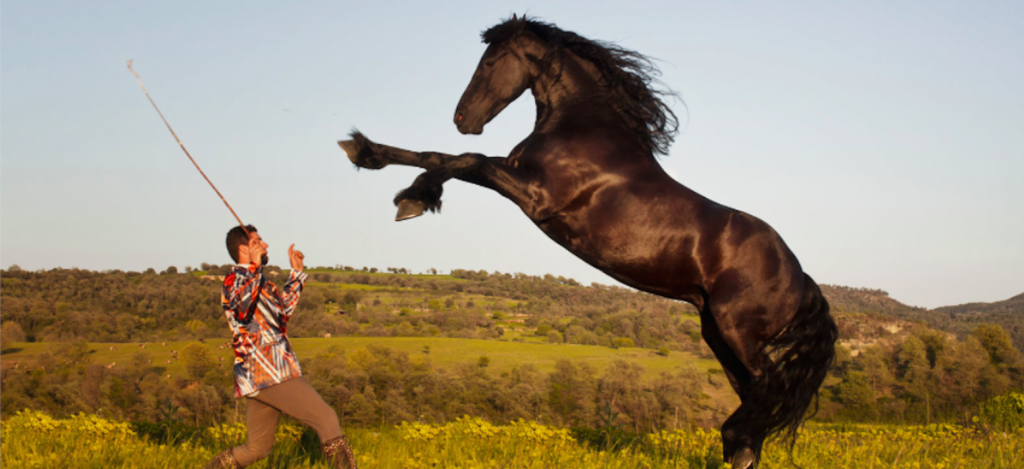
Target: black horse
column 589, row 178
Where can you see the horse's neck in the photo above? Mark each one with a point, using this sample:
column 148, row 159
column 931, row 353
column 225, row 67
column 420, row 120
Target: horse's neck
column 562, row 88
column 571, row 104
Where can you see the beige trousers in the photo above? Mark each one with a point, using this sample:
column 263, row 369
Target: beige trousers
column 294, row 397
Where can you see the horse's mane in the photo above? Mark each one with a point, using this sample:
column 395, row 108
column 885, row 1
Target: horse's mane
column 628, row 79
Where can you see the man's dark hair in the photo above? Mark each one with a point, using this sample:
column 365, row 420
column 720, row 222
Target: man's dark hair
column 236, row 238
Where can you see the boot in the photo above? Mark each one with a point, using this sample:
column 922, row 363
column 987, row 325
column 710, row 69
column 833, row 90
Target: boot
column 225, row 460
column 338, row 454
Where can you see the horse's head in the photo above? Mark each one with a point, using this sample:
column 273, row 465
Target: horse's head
column 506, row 69
column 524, row 53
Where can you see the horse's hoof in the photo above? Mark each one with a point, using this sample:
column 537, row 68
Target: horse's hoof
column 362, row 152
column 349, row 146
column 409, row 209
column 743, row 459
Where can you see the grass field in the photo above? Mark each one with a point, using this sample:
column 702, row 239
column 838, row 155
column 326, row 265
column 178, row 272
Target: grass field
column 34, row 440
column 442, row 352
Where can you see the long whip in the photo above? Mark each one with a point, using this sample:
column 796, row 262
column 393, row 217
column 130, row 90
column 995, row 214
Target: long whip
column 184, row 150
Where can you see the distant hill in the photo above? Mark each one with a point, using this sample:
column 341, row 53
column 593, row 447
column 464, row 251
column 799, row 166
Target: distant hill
column 866, row 300
column 962, row 318
column 867, row 316
column 875, row 306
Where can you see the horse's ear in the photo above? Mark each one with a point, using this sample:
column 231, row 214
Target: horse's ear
column 520, row 23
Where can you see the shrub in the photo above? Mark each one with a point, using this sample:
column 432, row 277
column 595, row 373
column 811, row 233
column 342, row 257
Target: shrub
column 1005, row 413
column 623, row 342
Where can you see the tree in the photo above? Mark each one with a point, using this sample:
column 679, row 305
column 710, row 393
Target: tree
column 11, row 332
column 351, row 299
column 202, row 402
column 543, row 330
column 679, row 396
column 196, row 327
column 874, row 362
column 960, row 373
column 404, row 329
column 139, row 366
column 197, row 360
column 395, row 408
column 572, row 395
column 916, row 378
column 998, row 344
column 362, row 407
column 843, row 358
column 622, row 385
column 171, row 270
column 856, row 394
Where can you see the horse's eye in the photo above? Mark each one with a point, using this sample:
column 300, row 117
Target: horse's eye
column 489, row 63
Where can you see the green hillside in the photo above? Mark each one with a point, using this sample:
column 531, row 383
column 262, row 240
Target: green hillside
column 115, row 307
column 878, row 309
column 387, row 347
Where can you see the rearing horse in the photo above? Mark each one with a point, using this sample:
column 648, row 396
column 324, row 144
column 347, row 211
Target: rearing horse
column 588, row 177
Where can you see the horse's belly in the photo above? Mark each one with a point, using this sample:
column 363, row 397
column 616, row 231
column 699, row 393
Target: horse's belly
column 646, row 261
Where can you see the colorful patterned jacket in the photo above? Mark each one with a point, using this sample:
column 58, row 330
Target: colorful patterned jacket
column 258, row 315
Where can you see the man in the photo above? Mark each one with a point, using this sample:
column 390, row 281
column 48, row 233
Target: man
column 266, row 370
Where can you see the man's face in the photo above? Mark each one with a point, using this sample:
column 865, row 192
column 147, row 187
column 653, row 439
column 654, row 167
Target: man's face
column 265, row 258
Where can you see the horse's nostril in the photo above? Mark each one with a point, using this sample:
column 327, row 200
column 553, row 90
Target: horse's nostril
column 459, row 117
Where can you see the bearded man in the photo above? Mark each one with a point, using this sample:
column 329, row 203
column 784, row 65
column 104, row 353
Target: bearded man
column 266, row 371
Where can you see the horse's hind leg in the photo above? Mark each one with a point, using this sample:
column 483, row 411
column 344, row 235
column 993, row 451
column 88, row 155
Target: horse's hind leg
column 740, row 445
column 734, row 369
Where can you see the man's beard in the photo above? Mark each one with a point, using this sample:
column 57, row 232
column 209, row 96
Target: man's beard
column 264, row 259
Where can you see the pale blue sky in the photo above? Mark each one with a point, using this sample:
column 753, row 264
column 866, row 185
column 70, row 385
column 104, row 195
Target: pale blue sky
column 883, row 140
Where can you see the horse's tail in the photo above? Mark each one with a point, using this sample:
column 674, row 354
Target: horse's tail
column 800, row 357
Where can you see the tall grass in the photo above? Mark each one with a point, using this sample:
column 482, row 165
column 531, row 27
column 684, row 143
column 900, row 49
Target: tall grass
column 34, row 440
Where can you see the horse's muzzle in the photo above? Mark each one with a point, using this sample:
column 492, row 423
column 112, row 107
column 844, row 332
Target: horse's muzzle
column 467, row 125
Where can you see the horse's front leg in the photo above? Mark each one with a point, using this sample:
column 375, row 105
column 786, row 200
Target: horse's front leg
column 425, row 193
column 370, row 155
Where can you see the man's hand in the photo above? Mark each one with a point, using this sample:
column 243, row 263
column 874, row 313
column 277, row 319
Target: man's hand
column 256, row 250
column 295, row 257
